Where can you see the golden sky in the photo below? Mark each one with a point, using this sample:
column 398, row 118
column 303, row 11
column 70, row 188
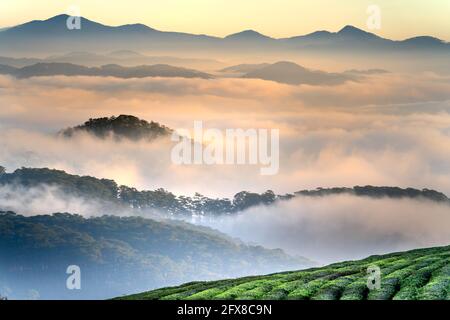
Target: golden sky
column 277, row 18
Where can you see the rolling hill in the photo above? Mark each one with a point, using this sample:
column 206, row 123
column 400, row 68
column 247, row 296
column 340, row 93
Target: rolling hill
column 121, row 127
column 244, row 68
column 126, row 58
column 113, row 197
column 120, row 255
column 422, row 274
column 291, row 73
column 110, row 70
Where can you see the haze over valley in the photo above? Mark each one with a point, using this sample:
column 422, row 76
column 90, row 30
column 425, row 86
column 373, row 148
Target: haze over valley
column 87, row 177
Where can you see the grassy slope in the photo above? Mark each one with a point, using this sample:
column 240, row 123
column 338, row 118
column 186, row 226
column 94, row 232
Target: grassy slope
column 417, row 274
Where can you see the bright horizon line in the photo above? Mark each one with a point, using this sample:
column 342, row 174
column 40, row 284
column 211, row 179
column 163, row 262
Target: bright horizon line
column 217, row 36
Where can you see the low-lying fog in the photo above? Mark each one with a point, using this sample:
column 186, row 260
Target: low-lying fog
column 336, row 228
column 324, row 229
column 388, row 129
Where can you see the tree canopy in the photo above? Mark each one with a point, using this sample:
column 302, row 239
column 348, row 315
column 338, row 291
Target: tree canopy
column 121, row 127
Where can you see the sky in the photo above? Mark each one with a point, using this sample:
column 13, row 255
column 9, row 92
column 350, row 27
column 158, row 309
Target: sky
column 400, row 19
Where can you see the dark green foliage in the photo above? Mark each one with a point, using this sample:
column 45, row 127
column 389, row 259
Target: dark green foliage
column 378, row 192
column 170, row 204
column 244, row 199
column 414, row 275
column 123, row 126
column 88, row 187
column 121, row 254
column 108, row 190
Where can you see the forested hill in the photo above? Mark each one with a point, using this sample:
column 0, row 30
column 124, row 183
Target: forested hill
column 119, row 255
column 422, row 274
column 168, row 203
column 121, row 127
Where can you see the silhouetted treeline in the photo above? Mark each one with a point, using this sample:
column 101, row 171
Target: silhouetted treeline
column 123, row 126
column 168, row 203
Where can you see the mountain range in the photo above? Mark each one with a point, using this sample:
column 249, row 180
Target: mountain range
column 282, row 72
column 119, row 57
column 52, row 35
column 285, row 72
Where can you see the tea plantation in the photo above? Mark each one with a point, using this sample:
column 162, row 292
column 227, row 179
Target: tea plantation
column 422, row 274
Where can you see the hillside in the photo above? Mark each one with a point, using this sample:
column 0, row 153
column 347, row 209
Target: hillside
column 115, row 197
column 421, row 274
column 123, row 126
column 291, row 73
column 244, row 68
column 111, row 70
column 126, row 58
column 119, row 255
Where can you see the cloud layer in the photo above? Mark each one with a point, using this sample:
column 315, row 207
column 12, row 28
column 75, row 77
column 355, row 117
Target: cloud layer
column 336, row 228
column 390, row 129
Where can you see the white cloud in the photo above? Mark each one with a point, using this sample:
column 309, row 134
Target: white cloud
column 336, row 228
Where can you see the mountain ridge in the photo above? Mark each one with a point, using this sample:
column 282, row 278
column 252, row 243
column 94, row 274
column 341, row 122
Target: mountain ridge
column 110, row 70
column 346, row 30
column 126, row 58
column 112, row 196
column 52, row 35
column 247, row 35
column 291, row 73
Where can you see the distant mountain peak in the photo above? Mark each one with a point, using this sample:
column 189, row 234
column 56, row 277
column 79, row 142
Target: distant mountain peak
column 350, row 28
column 352, row 31
column 424, row 40
column 291, row 73
column 59, row 17
column 319, row 33
column 287, row 64
column 247, row 35
column 136, row 27
column 62, row 18
column 58, row 23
